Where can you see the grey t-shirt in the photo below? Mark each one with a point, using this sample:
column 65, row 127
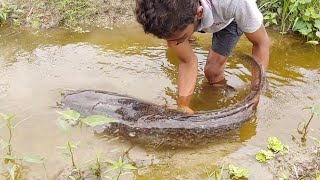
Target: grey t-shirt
column 220, row 13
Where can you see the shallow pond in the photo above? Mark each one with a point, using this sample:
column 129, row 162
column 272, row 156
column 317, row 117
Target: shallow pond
column 35, row 68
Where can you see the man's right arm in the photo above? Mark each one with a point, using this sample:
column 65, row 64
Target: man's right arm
column 187, row 76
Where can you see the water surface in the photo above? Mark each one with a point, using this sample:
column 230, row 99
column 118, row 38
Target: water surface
column 35, row 68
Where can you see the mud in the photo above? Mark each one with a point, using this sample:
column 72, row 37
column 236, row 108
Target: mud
column 41, row 14
column 297, row 164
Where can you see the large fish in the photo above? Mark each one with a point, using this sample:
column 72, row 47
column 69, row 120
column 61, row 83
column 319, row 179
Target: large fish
column 145, row 122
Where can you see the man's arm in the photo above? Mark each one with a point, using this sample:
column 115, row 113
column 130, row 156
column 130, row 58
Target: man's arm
column 261, row 44
column 187, row 76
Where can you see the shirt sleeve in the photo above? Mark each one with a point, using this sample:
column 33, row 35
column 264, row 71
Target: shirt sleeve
column 247, row 16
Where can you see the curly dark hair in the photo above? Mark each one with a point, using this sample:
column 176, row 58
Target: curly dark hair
column 164, row 17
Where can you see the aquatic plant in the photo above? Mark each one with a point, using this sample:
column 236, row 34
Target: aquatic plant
column 264, row 155
column 217, row 175
column 70, row 117
column 13, row 163
column 275, row 146
column 238, row 172
column 67, row 151
column 315, row 111
column 96, row 168
column 119, row 166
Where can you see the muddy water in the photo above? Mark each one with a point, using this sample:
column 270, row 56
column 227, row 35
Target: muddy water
column 35, row 68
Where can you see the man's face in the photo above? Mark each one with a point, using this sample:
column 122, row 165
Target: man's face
column 181, row 36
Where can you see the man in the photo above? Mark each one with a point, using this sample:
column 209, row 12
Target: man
column 176, row 21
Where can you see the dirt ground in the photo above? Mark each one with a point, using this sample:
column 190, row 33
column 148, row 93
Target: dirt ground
column 44, row 14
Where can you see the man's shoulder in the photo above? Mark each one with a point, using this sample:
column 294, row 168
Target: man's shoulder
column 225, row 8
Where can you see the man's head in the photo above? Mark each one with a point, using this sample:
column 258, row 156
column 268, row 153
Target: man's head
column 173, row 20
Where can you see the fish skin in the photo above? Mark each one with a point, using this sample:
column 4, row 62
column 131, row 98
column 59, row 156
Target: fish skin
column 148, row 123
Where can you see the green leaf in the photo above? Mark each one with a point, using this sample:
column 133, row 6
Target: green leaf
column 317, row 23
column 284, row 177
column 75, row 145
column 299, row 25
column 33, row 158
column 66, row 154
column 312, row 42
column 305, row 31
column 275, row 145
column 72, row 178
column 4, row 116
column 317, row 176
column 318, row 34
column 64, row 125
column 70, row 114
column 263, row 156
column 62, row 147
column 111, row 162
column 7, row 117
column 120, row 162
column 238, row 172
column 111, row 168
column 97, row 120
column 9, row 157
column 129, row 167
column 260, row 157
column 13, row 171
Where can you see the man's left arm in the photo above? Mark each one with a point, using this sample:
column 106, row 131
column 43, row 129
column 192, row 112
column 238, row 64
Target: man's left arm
column 260, row 45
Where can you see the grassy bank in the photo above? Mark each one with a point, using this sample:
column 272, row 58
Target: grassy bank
column 297, row 16
column 73, row 14
column 294, row 16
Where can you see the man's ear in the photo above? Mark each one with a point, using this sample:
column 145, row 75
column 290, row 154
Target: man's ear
column 199, row 12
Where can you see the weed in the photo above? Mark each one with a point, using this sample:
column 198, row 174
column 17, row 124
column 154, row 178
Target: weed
column 238, row 172
column 119, row 166
column 264, row 155
column 8, row 10
column 68, row 153
column 72, row 11
column 302, row 16
column 275, row 146
column 71, row 117
column 97, row 166
column 11, row 161
column 217, row 175
column 283, row 177
column 315, row 111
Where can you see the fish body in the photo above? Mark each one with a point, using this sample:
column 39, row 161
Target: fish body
column 149, row 123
